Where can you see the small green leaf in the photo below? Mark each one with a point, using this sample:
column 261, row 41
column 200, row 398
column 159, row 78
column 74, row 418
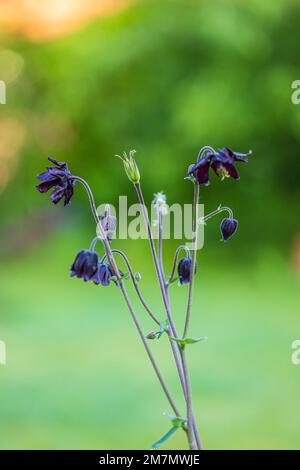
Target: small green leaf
column 184, row 341
column 165, row 437
column 177, row 421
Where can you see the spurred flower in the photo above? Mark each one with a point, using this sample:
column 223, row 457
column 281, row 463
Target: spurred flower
column 228, row 228
column 184, row 270
column 222, row 162
column 85, row 266
column 57, row 177
column 104, row 274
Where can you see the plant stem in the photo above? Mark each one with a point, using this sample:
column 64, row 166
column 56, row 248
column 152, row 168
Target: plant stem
column 194, row 256
column 215, row 212
column 169, row 315
column 149, row 311
column 160, row 244
column 125, row 295
column 149, row 352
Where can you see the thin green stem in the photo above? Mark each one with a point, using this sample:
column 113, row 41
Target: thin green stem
column 194, row 256
column 125, row 295
column 169, row 315
column 217, row 211
column 135, row 284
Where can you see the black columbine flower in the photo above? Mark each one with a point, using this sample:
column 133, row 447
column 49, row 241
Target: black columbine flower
column 228, row 227
column 57, row 177
column 104, row 274
column 85, row 266
column 184, row 270
column 222, row 162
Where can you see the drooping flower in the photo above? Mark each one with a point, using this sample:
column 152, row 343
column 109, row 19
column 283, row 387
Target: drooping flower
column 228, row 228
column 85, row 265
column 104, row 274
column 59, row 178
column 222, row 162
column 184, row 270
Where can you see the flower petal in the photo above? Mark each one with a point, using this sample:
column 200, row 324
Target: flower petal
column 46, row 185
column 230, row 168
column 202, row 174
column 57, row 194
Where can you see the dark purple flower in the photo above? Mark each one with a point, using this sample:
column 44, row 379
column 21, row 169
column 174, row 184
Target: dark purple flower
column 57, row 177
column 228, row 227
column 222, row 162
column 184, row 270
column 104, row 274
column 85, row 265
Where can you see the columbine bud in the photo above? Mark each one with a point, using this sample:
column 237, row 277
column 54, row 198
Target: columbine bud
column 228, row 227
column 85, row 265
column 108, row 223
column 151, row 335
column 130, row 166
column 184, row 270
column 160, row 203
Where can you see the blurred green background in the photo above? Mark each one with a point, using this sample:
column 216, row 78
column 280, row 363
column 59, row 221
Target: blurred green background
column 164, row 78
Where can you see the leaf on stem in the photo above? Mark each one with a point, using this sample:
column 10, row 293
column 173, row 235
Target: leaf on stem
column 184, row 341
column 177, row 420
column 177, row 423
column 165, row 437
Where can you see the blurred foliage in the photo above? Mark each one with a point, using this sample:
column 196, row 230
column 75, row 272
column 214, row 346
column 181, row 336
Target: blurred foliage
column 77, row 376
column 166, row 78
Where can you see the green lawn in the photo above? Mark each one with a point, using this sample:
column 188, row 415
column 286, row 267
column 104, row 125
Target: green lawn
column 77, row 375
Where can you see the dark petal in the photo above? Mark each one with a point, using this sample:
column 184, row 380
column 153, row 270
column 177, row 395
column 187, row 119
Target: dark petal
column 45, row 176
column 57, row 194
column 203, row 161
column 60, row 164
column 56, row 172
column 96, row 277
column 202, row 174
column 46, row 185
column 68, row 194
column 242, row 156
column 222, row 156
column 215, row 166
column 184, row 270
column 238, row 157
column 85, row 265
column 228, row 227
column 226, row 151
column 105, row 274
column 76, row 266
column 232, row 170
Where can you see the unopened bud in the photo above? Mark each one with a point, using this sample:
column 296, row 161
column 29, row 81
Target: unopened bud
column 130, row 166
column 151, row 335
column 228, row 228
